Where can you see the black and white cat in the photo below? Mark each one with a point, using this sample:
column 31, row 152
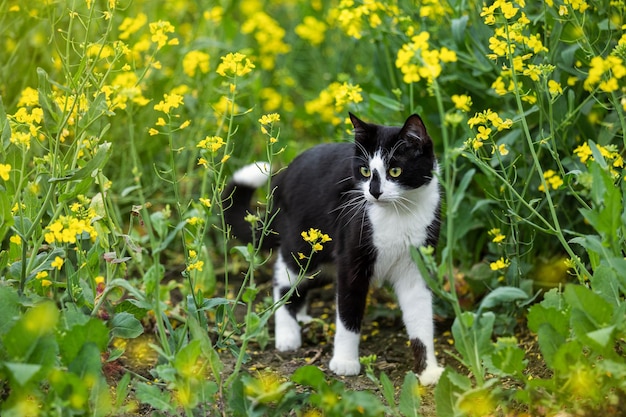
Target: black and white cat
column 375, row 198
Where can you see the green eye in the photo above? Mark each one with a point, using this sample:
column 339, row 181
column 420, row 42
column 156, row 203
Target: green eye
column 365, row 171
column 395, row 172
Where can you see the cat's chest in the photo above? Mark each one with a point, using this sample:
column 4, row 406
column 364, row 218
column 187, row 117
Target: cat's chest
column 393, row 234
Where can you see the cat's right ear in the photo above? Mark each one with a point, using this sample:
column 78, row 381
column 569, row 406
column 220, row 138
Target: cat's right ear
column 361, row 129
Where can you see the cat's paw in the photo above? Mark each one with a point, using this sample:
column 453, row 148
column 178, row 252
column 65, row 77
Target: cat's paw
column 286, row 341
column 430, row 375
column 345, row 367
column 304, row 318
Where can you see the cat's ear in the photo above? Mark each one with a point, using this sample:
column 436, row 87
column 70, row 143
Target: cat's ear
column 360, row 127
column 414, row 130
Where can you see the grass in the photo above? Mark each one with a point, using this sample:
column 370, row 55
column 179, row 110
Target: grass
column 120, row 123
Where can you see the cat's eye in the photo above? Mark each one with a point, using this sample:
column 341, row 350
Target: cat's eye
column 365, row 171
column 395, row 172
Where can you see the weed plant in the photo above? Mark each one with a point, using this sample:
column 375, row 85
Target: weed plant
column 121, row 121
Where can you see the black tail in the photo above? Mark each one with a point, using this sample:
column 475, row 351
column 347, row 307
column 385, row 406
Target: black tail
column 236, row 201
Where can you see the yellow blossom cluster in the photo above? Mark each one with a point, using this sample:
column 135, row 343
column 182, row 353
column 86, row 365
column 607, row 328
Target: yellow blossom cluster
column 194, row 62
column 161, row 32
column 417, row 61
column 496, row 235
column 234, row 64
column 312, row 30
column 211, row 143
column 26, row 122
column 351, row 17
column 333, row 100
column 605, row 73
column 124, row 88
column 268, row 34
column 315, row 238
column 609, row 153
column 66, row 229
column 516, row 45
column 487, row 121
column 553, row 179
column 499, row 264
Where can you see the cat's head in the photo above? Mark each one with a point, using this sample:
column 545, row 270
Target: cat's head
column 389, row 161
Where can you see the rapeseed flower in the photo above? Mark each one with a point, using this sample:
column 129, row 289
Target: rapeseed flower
column 315, row 238
column 169, row 102
column 5, row 169
column 311, row 30
column 234, row 65
column 497, row 236
column 195, row 61
column 552, row 179
column 462, row 102
column 499, row 264
column 211, row 143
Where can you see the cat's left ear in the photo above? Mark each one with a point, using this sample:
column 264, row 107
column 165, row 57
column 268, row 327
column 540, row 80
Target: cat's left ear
column 414, row 130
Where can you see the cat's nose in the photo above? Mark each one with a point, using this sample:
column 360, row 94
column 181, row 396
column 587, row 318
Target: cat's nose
column 375, row 190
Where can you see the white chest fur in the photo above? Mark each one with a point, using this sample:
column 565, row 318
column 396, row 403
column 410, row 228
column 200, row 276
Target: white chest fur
column 395, row 229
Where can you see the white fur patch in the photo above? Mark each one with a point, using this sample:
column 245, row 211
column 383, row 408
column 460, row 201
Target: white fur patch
column 253, row 175
column 345, row 359
column 286, row 330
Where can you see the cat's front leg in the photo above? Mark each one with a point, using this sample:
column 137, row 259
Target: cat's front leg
column 415, row 301
column 287, row 331
column 351, row 299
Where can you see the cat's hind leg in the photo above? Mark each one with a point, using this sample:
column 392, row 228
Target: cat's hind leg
column 287, row 330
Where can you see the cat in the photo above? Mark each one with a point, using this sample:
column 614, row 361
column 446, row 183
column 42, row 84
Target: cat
column 375, row 198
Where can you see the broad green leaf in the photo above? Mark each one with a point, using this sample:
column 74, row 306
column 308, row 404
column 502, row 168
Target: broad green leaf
column 387, row 102
column 152, row 395
column 501, row 295
column 125, row 325
column 22, row 372
column 10, row 308
column 309, row 375
column 72, row 341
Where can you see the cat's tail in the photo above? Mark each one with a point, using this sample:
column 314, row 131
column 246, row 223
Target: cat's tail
column 237, row 196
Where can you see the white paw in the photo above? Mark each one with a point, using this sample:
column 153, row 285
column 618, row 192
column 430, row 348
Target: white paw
column 345, row 366
column 288, row 341
column 304, row 318
column 430, row 375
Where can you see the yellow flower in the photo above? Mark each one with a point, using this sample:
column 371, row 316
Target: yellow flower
column 205, row 202
column 462, row 102
column 170, row 101
column 554, row 88
column 196, row 266
column 498, row 237
column 553, row 180
column 4, row 171
column 41, row 275
column 57, row 263
column 211, row 143
column 153, row 132
column 234, row 64
column 499, row 264
column 195, row 61
column 311, row 30
column 483, row 133
column 269, row 119
column 501, row 149
column 15, row 239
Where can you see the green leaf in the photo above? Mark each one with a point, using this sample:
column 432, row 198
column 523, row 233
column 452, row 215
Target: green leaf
column 598, row 311
column 72, row 341
column 410, row 401
column 92, row 166
column 21, row 372
column 501, row 295
column 387, row 388
column 310, row 376
column 508, row 357
column 390, row 103
column 447, row 392
column 10, row 308
column 152, row 395
column 125, row 325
